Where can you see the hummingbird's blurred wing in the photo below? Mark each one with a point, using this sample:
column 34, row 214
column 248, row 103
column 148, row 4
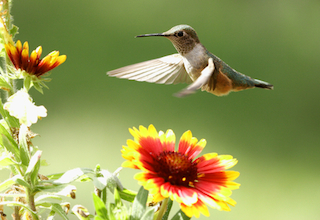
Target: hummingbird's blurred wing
column 165, row 70
column 202, row 80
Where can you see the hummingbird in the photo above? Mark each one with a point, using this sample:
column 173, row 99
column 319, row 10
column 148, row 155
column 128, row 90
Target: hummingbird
column 193, row 64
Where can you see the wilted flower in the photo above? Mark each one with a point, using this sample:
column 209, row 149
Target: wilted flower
column 33, row 65
column 20, row 105
column 178, row 174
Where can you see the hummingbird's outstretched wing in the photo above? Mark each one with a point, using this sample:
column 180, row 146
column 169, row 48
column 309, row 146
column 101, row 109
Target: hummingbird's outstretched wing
column 165, row 70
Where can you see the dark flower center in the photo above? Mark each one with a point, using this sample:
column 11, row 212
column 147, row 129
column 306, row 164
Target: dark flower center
column 176, row 168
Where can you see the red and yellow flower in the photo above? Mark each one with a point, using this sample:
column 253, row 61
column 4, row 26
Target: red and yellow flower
column 179, row 175
column 33, row 65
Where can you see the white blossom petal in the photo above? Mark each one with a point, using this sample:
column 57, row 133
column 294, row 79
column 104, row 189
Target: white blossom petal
column 20, row 105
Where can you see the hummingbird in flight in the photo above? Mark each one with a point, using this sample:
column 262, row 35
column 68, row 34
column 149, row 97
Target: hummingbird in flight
column 193, row 64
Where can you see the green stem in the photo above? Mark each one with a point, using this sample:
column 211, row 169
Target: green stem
column 16, row 213
column 163, row 208
column 6, row 7
column 30, row 199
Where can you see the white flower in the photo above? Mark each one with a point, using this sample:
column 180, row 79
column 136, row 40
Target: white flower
column 20, row 105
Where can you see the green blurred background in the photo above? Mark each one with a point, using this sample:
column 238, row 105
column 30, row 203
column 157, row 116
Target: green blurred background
column 273, row 134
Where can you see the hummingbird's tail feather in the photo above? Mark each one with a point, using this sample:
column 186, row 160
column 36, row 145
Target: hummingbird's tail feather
column 262, row 84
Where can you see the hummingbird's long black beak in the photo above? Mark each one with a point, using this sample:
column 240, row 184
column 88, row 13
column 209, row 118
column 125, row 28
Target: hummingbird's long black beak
column 151, row 35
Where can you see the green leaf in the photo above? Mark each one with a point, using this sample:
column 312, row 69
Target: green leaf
column 168, row 209
column 7, row 184
column 43, row 163
column 72, row 175
column 112, row 208
column 61, row 189
column 38, row 87
column 27, row 83
column 99, row 182
column 14, row 30
column 100, row 207
column 6, row 159
column 117, row 198
column 7, row 141
column 13, row 203
column 58, row 209
column 120, row 211
column 139, row 204
column 17, row 179
column 55, row 208
column 127, row 195
column 4, row 84
column 148, row 215
column 24, row 152
column 33, row 168
column 54, row 176
column 97, row 217
column 46, row 198
column 22, row 182
column 180, row 216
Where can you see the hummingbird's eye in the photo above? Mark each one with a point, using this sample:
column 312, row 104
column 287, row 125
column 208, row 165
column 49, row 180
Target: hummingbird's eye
column 180, row 33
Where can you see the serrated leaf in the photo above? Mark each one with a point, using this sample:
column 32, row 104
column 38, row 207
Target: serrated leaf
column 100, row 207
column 139, row 204
column 14, row 30
column 180, row 216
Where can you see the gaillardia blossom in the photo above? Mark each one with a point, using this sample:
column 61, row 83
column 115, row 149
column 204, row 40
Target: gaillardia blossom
column 179, row 175
column 33, row 65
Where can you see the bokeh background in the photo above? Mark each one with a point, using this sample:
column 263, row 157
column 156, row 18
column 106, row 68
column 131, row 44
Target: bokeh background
column 274, row 134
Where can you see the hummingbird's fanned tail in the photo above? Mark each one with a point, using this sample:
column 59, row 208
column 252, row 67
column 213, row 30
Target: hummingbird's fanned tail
column 262, row 84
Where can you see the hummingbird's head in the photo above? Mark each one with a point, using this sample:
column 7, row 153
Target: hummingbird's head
column 183, row 37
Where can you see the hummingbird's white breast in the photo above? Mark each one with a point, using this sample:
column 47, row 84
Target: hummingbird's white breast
column 194, row 61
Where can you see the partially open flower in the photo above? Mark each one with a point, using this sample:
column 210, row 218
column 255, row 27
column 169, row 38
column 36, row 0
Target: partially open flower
column 20, row 105
column 33, row 65
column 178, row 174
